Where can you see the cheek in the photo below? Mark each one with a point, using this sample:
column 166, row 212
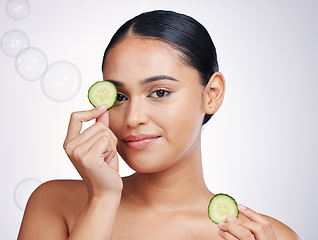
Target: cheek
column 169, row 116
column 179, row 117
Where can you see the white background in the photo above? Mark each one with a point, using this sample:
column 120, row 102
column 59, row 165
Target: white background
column 261, row 147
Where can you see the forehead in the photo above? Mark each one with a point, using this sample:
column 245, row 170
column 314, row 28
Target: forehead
column 137, row 52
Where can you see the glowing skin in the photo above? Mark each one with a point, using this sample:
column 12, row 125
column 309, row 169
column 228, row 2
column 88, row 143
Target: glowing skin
column 158, row 117
column 156, row 125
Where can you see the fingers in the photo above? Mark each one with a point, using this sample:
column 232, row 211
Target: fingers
column 94, row 164
column 254, row 227
column 227, row 236
column 252, row 215
column 235, row 228
column 102, row 149
column 77, row 118
column 93, row 152
column 93, row 149
column 78, row 144
column 264, row 223
column 82, row 145
column 90, row 135
column 107, row 151
column 104, row 118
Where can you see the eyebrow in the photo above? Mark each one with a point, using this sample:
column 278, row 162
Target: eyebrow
column 157, row 78
column 146, row 81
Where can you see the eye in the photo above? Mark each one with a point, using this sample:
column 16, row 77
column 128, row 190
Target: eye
column 121, row 97
column 159, row 93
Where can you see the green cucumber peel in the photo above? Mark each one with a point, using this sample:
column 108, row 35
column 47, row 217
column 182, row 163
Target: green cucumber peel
column 102, row 92
column 221, row 206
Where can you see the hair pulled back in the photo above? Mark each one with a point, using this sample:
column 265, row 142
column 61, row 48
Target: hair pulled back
column 182, row 32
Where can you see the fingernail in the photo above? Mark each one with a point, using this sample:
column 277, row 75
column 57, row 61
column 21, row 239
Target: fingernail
column 241, row 207
column 221, row 224
column 231, row 219
column 101, row 107
column 220, row 231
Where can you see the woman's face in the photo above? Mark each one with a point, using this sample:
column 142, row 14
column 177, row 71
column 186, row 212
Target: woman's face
column 158, row 114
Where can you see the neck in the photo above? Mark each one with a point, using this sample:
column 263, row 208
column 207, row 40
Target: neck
column 176, row 188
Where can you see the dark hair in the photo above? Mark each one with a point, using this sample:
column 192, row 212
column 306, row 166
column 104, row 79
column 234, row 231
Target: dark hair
column 182, row 32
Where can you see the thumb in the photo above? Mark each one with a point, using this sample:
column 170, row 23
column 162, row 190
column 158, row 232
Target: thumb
column 104, row 118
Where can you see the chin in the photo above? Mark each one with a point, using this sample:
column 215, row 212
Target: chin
column 145, row 166
column 146, row 163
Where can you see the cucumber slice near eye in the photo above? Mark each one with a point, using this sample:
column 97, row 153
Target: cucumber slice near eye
column 102, row 92
column 221, row 206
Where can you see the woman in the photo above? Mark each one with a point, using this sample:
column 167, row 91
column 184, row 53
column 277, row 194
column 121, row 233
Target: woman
column 165, row 68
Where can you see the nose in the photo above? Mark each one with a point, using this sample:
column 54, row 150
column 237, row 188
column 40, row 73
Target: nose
column 136, row 113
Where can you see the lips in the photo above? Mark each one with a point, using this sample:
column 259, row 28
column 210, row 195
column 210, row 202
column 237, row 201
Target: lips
column 141, row 141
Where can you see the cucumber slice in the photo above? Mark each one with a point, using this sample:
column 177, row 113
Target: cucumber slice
column 221, row 206
column 102, row 92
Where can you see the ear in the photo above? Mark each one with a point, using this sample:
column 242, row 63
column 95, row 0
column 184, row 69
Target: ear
column 213, row 93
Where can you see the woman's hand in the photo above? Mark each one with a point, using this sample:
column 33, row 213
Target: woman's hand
column 255, row 227
column 93, row 152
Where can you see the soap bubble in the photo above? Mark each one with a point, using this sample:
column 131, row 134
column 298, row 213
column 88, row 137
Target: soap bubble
column 31, row 63
column 18, row 9
column 61, row 81
column 13, row 42
column 23, row 191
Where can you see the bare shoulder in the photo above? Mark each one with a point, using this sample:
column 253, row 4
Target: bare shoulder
column 59, row 195
column 56, row 204
column 282, row 230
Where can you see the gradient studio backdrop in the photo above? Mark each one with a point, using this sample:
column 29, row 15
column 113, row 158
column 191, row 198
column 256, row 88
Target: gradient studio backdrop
column 261, row 147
